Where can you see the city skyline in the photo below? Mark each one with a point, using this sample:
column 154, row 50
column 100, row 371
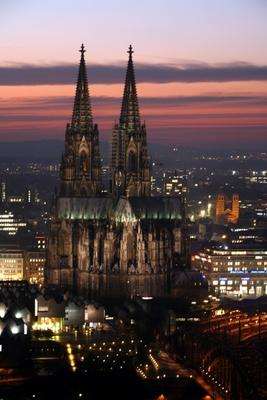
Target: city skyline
column 133, row 202
column 201, row 81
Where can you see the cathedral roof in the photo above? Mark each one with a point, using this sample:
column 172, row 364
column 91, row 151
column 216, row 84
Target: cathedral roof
column 84, row 207
column 155, row 208
column 123, row 210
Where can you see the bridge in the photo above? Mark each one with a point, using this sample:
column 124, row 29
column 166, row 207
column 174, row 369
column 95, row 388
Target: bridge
column 228, row 352
column 238, row 326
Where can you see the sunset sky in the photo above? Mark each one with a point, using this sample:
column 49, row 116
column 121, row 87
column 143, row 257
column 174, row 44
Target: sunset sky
column 201, row 67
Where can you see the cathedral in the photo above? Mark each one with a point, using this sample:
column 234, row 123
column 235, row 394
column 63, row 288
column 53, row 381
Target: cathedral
column 126, row 242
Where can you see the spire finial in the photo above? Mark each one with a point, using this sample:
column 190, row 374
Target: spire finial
column 82, row 49
column 130, row 51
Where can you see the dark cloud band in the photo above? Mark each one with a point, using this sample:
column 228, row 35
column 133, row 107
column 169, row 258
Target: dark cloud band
column 150, row 73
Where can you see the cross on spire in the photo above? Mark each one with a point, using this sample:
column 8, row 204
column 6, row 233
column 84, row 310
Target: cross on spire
column 82, row 49
column 130, row 50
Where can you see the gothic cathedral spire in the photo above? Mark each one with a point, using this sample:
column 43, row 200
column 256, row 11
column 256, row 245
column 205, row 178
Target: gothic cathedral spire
column 82, row 112
column 80, row 167
column 130, row 118
column 130, row 163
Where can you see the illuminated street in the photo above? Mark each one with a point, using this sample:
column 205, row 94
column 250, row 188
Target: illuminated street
column 104, row 364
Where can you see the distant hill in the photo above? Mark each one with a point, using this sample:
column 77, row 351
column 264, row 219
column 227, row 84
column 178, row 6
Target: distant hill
column 32, row 150
column 41, row 150
column 52, row 149
column 168, row 155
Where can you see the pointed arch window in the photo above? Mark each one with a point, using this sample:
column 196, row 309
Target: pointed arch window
column 132, row 161
column 84, row 163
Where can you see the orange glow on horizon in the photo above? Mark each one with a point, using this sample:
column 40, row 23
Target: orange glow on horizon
column 47, row 108
column 144, row 89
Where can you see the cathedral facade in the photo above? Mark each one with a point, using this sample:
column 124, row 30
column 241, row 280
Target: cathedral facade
column 125, row 243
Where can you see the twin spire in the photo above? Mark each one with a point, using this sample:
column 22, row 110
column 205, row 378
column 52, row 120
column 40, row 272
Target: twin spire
column 130, row 118
column 130, row 166
column 82, row 119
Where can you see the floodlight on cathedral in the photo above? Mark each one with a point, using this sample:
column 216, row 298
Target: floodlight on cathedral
column 125, row 242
